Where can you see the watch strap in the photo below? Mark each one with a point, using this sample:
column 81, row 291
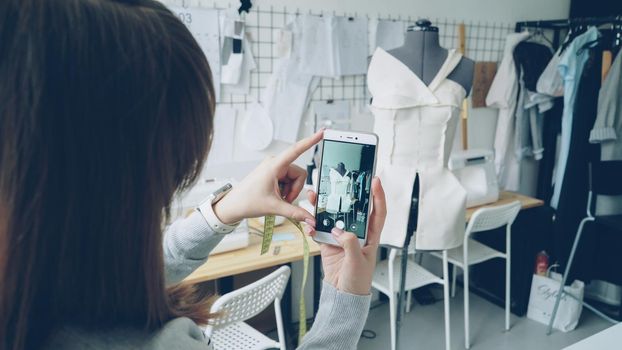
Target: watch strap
column 206, row 209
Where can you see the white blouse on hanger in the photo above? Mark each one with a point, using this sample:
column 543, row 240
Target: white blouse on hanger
column 416, row 125
column 339, row 199
column 503, row 95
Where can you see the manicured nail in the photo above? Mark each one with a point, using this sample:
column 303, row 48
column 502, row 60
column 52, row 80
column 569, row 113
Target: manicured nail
column 337, row 232
column 310, row 221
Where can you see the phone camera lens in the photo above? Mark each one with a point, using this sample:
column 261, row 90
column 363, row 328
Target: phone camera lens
column 356, row 138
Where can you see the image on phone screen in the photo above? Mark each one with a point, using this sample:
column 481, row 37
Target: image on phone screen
column 345, row 183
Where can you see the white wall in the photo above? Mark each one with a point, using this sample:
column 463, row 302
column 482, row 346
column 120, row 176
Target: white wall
column 482, row 121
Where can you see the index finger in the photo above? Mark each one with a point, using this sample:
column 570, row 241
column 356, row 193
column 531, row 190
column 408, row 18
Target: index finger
column 290, row 155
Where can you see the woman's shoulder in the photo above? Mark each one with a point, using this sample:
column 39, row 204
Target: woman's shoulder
column 179, row 333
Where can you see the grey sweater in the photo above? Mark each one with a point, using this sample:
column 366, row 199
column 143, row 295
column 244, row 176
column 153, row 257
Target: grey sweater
column 187, row 243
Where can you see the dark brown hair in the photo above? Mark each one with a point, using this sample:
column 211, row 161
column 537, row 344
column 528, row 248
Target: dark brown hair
column 105, row 112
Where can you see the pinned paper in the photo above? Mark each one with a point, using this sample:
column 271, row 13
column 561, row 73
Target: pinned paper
column 221, row 150
column 203, row 23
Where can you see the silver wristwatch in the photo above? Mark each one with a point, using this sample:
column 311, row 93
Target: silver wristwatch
column 206, row 209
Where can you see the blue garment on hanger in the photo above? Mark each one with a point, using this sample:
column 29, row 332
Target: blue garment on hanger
column 570, row 68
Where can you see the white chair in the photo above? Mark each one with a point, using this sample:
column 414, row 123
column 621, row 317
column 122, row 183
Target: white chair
column 473, row 252
column 229, row 331
column 386, row 280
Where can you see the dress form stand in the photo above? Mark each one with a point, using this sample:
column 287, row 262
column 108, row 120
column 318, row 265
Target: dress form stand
column 424, row 56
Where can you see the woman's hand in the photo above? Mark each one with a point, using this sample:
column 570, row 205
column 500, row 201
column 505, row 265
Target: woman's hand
column 350, row 268
column 270, row 188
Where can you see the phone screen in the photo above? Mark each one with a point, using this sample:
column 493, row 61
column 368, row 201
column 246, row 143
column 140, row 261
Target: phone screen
column 345, row 184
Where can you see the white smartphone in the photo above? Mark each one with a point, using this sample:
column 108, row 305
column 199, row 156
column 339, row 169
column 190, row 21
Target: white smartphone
column 347, row 166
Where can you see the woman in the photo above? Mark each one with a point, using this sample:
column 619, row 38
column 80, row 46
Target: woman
column 106, row 111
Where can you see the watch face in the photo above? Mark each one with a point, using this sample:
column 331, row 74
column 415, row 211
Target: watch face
column 219, row 193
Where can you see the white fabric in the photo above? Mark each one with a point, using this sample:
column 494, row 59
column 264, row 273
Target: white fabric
column 550, row 81
column 339, row 199
column 416, row 124
column 287, row 93
column 503, row 95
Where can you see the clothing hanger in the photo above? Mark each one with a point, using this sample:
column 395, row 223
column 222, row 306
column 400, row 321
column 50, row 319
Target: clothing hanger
column 539, row 37
column 574, row 32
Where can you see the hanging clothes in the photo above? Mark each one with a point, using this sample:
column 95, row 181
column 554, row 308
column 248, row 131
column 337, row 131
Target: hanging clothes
column 570, row 67
column 550, row 81
column 503, row 95
column 340, row 199
column 607, row 130
column 416, row 125
column 530, row 58
column 575, row 186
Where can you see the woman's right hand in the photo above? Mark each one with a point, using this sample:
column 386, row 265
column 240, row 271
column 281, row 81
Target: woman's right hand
column 270, row 188
column 350, row 268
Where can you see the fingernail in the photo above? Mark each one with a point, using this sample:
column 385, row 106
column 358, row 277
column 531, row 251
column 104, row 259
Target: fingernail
column 308, row 229
column 337, row 232
column 310, row 221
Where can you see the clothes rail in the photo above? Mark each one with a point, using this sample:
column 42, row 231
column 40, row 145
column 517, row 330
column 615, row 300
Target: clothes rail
column 557, row 25
column 567, row 23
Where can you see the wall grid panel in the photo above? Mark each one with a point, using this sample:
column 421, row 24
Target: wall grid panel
column 485, row 42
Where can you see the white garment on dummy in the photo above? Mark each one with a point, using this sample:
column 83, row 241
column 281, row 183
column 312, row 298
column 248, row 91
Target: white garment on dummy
column 416, row 125
column 340, row 199
column 503, row 95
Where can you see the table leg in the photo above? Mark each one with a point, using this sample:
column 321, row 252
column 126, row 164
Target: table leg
column 286, row 308
column 224, row 285
column 400, row 294
column 317, row 282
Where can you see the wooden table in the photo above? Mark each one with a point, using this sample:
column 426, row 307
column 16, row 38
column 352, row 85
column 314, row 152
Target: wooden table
column 249, row 259
column 508, row 197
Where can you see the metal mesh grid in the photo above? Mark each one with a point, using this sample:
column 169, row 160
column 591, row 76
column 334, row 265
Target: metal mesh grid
column 485, row 42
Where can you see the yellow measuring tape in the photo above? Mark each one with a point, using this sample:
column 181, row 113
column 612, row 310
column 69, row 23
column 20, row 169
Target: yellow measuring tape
column 268, row 230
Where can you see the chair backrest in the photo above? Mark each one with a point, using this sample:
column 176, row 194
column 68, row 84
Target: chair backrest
column 606, row 177
column 490, row 218
column 250, row 300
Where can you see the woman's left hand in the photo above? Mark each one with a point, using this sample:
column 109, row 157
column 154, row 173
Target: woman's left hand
column 270, row 188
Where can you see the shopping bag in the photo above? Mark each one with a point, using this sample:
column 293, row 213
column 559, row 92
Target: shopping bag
column 542, row 300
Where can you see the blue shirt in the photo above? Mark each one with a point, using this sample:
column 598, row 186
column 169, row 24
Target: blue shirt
column 570, row 68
